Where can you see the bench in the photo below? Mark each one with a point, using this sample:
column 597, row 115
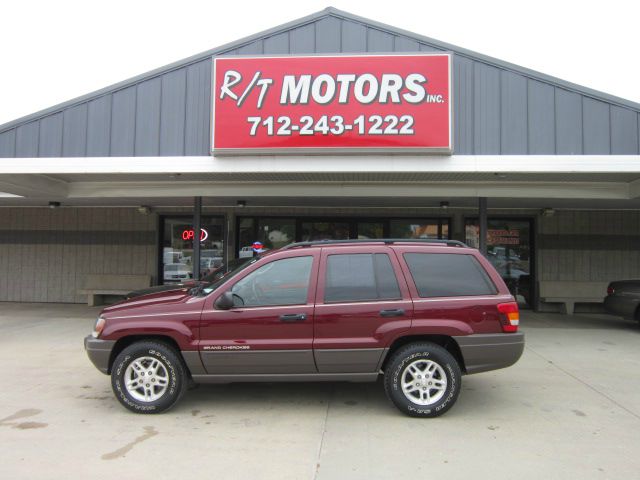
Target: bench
column 569, row 293
column 99, row 285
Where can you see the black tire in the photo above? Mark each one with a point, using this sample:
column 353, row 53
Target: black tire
column 174, row 372
column 423, row 352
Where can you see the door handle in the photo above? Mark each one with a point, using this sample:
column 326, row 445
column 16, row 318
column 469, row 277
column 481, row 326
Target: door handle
column 293, row 317
column 395, row 312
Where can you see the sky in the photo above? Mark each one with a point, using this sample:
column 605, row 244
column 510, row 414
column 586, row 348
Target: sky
column 51, row 52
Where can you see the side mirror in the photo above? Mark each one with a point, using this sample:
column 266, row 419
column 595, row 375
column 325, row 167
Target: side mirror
column 224, row 301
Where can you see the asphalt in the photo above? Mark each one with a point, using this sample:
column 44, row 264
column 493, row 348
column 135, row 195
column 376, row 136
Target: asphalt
column 569, row 409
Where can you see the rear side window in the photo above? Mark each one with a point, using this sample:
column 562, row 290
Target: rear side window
column 360, row 276
column 448, row 275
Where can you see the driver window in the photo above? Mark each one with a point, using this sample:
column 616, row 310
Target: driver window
column 282, row 282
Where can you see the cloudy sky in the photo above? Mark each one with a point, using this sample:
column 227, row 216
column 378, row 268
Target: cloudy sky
column 55, row 51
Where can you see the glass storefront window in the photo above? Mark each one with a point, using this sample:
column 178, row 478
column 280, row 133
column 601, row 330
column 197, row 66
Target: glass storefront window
column 325, row 231
column 177, row 248
column 508, row 250
column 276, row 232
column 271, row 232
column 367, row 230
column 419, row 228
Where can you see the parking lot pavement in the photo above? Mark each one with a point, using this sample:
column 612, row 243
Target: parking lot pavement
column 569, row 409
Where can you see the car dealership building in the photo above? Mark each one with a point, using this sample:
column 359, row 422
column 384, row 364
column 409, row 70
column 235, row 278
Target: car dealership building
column 329, row 127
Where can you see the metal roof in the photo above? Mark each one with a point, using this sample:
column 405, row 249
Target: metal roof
column 500, row 108
column 329, row 11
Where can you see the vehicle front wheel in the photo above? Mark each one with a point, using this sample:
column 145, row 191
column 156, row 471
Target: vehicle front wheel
column 148, row 377
column 422, row 380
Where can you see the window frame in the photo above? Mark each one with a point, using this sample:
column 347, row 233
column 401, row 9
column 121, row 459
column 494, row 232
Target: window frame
column 488, row 275
column 311, row 289
column 375, row 276
column 349, row 250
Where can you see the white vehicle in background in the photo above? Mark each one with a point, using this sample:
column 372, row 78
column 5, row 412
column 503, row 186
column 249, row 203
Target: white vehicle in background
column 246, row 252
column 177, row 272
column 169, row 255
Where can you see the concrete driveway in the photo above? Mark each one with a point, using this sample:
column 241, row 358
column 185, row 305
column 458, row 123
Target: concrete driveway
column 569, row 409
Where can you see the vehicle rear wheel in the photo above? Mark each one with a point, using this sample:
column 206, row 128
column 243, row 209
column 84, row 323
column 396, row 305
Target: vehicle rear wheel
column 148, row 377
column 422, row 380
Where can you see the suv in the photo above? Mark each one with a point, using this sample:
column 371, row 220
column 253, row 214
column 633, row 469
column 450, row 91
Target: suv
column 419, row 313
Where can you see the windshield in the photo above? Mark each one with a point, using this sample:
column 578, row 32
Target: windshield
column 221, row 276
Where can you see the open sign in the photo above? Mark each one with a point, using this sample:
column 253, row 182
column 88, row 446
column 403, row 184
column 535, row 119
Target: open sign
column 189, row 234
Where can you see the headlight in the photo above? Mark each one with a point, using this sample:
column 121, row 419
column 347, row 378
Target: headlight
column 97, row 330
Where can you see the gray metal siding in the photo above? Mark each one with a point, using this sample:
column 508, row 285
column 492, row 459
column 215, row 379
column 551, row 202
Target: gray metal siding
column 463, row 114
column 50, row 136
column 541, row 118
column 486, row 108
column 568, row 122
column 303, row 39
column 328, row 37
column 497, row 110
column 123, row 122
column 172, row 113
column 378, row 41
column 27, row 139
column 99, row 126
column 147, row 142
column 404, row 44
column 198, row 113
column 253, row 48
column 354, row 37
column 74, row 138
column 624, row 131
column 595, row 122
column 8, row 143
column 513, row 113
column 276, row 44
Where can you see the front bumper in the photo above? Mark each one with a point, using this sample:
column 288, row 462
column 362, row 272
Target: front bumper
column 99, row 352
column 490, row 351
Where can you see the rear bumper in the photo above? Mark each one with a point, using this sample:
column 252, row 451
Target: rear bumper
column 99, row 352
column 622, row 306
column 484, row 352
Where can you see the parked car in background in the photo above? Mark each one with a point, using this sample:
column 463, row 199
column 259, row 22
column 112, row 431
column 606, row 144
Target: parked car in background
column 177, row 272
column 211, row 277
column 623, row 299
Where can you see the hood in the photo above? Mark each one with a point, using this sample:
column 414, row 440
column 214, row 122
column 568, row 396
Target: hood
column 166, row 297
column 162, row 288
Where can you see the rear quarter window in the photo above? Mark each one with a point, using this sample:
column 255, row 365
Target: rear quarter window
column 448, row 275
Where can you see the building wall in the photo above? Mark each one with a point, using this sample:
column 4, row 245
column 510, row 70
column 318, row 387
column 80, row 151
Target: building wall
column 46, row 254
column 596, row 246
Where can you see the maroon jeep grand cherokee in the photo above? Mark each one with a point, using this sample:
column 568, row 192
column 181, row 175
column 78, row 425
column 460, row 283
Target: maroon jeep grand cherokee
column 420, row 313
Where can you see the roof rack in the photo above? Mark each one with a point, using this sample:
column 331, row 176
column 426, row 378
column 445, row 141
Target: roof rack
column 386, row 241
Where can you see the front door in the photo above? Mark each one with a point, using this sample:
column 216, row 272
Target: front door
column 362, row 304
column 270, row 328
column 509, row 249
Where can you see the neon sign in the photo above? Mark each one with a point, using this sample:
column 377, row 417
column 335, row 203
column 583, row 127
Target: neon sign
column 189, row 233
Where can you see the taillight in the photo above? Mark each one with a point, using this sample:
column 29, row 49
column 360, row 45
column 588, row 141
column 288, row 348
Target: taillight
column 610, row 290
column 509, row 316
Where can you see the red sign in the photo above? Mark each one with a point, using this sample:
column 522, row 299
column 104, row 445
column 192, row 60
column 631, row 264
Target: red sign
column 189, row 233
column 362, row 103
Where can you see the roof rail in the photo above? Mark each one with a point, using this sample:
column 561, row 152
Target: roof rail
column 386, row 241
